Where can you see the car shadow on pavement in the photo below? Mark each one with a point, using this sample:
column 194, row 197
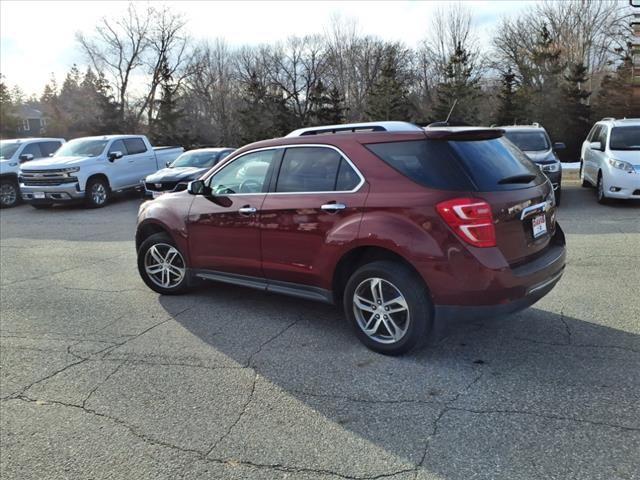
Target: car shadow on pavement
column 549, row 392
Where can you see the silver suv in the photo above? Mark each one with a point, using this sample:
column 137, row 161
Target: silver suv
column 534, row 141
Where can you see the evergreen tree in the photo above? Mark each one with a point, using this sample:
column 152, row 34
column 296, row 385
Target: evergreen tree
column 326, row 105
column 577, row 111
column 510, row 110
column 615, row 97
column 56, row 123
column 548, row 72
column 388, row 98
column 460, row 86
column 9, row 121
column 254, row 116
column 166, row 124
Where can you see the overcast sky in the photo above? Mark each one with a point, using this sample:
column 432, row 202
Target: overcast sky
column 38, row 38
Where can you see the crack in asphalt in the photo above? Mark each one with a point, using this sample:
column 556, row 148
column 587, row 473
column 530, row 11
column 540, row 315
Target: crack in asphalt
column 203, row 455
column 105, row 351
column 548, row 416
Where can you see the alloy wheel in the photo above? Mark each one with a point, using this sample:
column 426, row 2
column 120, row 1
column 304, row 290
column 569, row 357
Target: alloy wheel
column 164, row 265
column 381, row 310
column 8, row 194
column 98, row 193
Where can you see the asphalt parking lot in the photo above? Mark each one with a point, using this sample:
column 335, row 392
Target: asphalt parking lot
column 103, row 378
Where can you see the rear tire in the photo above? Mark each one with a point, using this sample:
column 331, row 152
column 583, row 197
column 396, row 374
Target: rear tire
column 97, row 193
column 162, row 266
column 9, row 193
column 394, row 290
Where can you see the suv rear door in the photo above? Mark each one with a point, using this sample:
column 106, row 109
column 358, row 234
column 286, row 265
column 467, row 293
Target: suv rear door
column 313, row 208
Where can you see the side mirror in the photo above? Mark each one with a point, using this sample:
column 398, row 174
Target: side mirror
column 113, row 156
column 196, row 187
column 559, row 146
column 596, row 146
column 25, row 157
column 168, row 164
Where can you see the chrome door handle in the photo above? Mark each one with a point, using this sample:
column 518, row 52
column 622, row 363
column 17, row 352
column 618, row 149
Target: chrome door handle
column 333, row 207
column 247, row 210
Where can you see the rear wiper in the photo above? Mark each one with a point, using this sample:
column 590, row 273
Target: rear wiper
column 523, row 178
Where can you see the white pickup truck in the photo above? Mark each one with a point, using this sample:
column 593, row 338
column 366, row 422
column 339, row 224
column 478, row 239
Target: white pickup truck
column 91, row 169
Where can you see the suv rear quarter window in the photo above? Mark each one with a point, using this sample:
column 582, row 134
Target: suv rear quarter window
column 460, row 165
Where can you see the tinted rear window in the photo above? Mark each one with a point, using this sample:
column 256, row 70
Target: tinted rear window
column 529, row 141
column 476, row 165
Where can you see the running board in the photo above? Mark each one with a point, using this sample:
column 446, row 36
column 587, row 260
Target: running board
column 275, row 286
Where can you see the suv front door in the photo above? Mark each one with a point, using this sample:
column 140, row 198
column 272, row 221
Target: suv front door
column 223, row 227
column 313, row 208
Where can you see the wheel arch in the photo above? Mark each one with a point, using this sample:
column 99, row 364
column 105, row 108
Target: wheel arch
column 94, row 176
column 148, row 228
column 354, row 258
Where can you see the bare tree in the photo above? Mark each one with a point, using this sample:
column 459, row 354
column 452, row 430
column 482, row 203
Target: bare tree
column 117, row 49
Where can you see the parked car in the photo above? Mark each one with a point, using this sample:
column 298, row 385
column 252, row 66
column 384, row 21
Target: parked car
column 92, row 169
column 610, row 159
column 15, row 152
column 188, row 166
column 398, row 224
column 534, row 141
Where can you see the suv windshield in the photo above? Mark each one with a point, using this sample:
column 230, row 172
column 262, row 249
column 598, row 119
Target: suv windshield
column 625, row 138
column 463, row 165
column 82, row 148
column 529, row 141
column 7, row 149
column 196, row 159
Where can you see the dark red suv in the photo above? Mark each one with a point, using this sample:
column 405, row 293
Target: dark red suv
column 400, row 225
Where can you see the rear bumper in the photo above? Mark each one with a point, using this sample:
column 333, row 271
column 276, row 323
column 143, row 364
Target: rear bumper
column 513, row 289
column 65, row 192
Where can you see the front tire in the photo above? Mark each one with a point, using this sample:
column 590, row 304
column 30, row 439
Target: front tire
column 558, row 195
column 9, row 193
column 389, row 307
column 97, row 193
column 584, row 182
column 162, row 266
column 602, row 196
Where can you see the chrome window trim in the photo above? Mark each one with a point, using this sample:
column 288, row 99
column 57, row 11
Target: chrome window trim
column 282, row 147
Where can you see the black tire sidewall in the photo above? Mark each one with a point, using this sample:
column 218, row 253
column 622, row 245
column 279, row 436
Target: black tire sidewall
column 415, row 292
column 156, row 238
column 14, row 184
column 89, row 198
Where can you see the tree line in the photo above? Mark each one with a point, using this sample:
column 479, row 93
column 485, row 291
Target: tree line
column 562, row 64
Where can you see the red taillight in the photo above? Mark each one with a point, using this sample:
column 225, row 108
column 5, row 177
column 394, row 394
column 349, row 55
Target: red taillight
column 471, row 219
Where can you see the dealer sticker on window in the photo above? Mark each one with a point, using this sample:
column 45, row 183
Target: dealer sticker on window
column 539, row 226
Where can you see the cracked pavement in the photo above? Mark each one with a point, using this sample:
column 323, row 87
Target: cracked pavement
column 102, row 378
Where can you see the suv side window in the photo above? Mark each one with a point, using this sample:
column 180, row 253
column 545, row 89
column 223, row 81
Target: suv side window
column 246, row 174
column 49, row 148
column 118, row 146
column 33, row 149
column 314, row 169
column 135, row 145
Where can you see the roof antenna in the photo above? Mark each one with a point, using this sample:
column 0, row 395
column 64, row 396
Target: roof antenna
column 451, row 111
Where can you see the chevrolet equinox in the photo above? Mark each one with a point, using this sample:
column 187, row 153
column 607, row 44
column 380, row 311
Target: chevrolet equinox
column 400, row 225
